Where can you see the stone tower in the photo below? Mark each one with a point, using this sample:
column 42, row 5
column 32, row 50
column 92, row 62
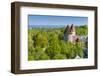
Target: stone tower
column 70, row 33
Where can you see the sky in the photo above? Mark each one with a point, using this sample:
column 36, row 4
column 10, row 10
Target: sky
column 49, row 20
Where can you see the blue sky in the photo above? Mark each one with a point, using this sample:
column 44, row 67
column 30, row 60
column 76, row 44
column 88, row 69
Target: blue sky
column 56, row 20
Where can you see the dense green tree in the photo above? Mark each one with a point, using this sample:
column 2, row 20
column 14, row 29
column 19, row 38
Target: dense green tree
column 41, row 40
column 48, row 43
column 82, row 30
column 53, row 50
column 79, row 49
column 40, row 54
column 61, row 36
column 64, row 49
column 44, row 56
column 59, row 56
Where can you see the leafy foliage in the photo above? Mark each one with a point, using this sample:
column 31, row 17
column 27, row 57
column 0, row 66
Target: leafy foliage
column 82, row 30
column 48, row 43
